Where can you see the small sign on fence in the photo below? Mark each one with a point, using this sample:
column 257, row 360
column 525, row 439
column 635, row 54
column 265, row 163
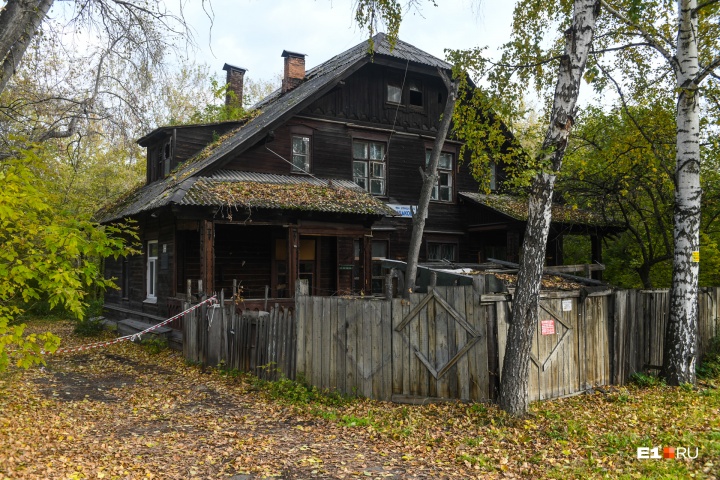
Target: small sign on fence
column 547, row 327
column 566, row 305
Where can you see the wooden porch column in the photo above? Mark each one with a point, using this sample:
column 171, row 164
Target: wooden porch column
column 207, row 254
column 367, row 263
column 512, row 246
column 293, row 244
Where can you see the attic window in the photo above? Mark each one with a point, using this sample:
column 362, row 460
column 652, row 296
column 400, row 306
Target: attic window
column 301, row 154
column 394, row 93
column 416, row 96
column 166, row 159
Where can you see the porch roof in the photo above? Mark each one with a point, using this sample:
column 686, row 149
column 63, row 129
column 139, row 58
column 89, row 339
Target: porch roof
column 517, row 208
column 227, row 188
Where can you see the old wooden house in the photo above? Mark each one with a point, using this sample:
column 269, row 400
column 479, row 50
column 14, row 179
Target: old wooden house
column 316, row 184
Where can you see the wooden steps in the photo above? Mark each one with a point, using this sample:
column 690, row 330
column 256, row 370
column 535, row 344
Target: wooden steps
column 130, row 327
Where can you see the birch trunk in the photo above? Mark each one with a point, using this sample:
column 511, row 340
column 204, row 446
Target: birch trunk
column 680, row 353
column 429, row 179
column 514, row 381
column 19, row 20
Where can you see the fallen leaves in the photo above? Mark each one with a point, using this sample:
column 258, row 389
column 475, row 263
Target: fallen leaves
column 131, row 414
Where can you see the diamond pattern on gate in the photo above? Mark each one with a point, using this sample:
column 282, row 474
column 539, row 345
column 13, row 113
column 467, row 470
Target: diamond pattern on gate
column 459, row 320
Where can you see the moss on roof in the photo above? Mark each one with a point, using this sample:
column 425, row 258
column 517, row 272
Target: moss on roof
column 307, row 197
column 517, row 208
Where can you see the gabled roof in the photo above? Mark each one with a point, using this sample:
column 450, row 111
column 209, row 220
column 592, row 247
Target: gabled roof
column 517, row 209
column 270, row 113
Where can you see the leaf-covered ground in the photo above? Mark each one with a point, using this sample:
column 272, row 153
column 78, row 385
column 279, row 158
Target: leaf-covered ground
column 124, row 412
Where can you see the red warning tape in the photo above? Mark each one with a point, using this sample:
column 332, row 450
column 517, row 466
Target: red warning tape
column 134, row 336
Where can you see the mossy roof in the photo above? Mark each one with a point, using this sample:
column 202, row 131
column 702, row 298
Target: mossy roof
column 516, row 208
column 283, row 192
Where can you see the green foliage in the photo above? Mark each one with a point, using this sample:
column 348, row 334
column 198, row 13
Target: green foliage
column 154, row 344
column 46, row 255
column 709, row 366
column 576, row 249
column 89, row 327
column 644, row 380
column 299, row 392
column 377, row 15
column 219, row 110
column 619, row 164
column 353, row 421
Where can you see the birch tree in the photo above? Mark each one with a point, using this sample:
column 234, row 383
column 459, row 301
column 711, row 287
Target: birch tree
column 578, row 42
column 672, row 46
column 485, row 132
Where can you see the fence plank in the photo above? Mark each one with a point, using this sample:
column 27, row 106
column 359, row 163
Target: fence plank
column 339, row 345
column 351, row 358
column 387, row 337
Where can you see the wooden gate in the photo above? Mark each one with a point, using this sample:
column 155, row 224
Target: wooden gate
column 570, row 350
column 439, row 346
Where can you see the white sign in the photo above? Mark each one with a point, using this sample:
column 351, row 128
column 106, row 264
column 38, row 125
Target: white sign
column 566, row 305
column 405, row 211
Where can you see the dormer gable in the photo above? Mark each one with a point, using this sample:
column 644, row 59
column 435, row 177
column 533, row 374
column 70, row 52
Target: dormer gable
column 169, row 147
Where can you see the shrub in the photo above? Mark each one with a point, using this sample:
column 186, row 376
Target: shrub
column 89, row 327
column 709, row 366
column 644, row 380
column 154, row 344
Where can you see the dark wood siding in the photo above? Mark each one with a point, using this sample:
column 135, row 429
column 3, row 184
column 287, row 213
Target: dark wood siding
column 243, row 254
column 362, row 98
column 327, row 266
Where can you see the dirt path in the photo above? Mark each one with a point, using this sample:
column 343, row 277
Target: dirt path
column 123, row 413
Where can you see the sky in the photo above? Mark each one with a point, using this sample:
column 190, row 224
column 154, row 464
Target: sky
column 253, row 33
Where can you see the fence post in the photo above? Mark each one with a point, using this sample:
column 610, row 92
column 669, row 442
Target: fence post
column 202, row 330
column 223, row 357
column 301, row 288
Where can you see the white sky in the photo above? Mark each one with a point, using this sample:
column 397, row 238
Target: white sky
column 253, row 33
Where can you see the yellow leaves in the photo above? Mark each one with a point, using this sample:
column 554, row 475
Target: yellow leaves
column 168, row 420
column 299, row 196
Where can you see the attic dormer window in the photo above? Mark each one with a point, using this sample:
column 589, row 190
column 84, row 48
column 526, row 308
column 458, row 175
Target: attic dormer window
column 394, row 93
column 167, row 153
column 416, row 95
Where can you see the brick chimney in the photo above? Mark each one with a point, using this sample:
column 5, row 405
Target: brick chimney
column 294, row 70
column 235, row 77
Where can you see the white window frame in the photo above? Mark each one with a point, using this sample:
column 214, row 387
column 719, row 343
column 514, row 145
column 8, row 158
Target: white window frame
column 305, row 156
column 393, row 88
column 151, row 271
column 444, row 169
column 368, row 171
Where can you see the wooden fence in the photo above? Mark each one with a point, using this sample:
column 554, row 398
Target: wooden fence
column 262, row 343
column 445, row 344
column 439, row 344
column 640, row 318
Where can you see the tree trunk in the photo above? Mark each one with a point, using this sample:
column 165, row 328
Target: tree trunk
column 680, row 353
column 19, row 20
column 429, row 179
column 523, row 323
